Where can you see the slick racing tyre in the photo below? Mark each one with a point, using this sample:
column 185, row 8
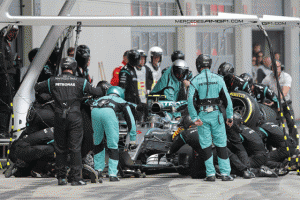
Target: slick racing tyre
column 269, row 115
column 197, row 167
column 184, row 159
column 247, row 107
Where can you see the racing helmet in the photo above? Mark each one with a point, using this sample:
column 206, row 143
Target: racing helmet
column 180, row 69
column 116, row 90
column 32, row 54
column 83, row 54
column 247, row 77
column 202, row 61
column 69, row 63
column 225, row 68
column 12, row 33
column 177, row 55
column 104, row 85
column 155, row 51
column 186, row 122
column 134, row 58
column 143, row 54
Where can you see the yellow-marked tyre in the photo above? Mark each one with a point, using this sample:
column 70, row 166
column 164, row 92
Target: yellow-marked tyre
column 269, row 114
column 247, row 107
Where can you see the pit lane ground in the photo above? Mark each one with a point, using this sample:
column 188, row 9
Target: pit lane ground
column 159, row 186
column 162, row 186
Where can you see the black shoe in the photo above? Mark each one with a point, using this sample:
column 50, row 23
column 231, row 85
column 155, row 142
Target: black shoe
column 10, row 170
column 227, row 178
column 218, row 176
column 281, row 171
column 100, row 177
column 267, row 172
column 62, row 181
column 210, row 178
column 76, row 183
column 113, row 178
column 248, row 174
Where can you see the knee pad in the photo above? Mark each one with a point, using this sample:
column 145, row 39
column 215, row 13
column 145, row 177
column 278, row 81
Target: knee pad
column 98, row 148
column 113, row 154
column 222, row 152
column 208, row 152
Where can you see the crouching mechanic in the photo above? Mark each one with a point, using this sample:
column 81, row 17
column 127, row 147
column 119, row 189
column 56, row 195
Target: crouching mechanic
column 104, row 119
column 211, row 89
column 170, row 82
column 67, row 91
column 261, row 92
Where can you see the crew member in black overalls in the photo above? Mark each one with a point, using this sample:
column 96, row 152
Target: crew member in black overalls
column 7, row 77
column 233, row 82
column 67, row 91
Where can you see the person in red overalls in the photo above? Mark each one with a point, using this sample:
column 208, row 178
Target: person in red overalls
column 115, row 79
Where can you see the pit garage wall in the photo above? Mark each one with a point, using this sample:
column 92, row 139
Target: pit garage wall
column 106, row 44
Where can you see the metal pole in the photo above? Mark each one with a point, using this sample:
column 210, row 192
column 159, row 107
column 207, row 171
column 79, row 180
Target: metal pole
column 25, row 95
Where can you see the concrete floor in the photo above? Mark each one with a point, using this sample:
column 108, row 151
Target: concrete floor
column 162, row 186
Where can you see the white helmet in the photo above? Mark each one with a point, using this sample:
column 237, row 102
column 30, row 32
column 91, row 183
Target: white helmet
column 155, row 51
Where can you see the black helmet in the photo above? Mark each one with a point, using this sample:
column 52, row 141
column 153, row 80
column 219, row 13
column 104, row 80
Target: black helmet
column 247, row 77
column 180, row 69
column 143, row 54
column 186, row 122
column 12, row 32
column 225, row 68
column 69, row 63
column 203, row 60
column 83, row 54
column 133, row 58
column 177, row 55
column 32, row 54
column 104, row 85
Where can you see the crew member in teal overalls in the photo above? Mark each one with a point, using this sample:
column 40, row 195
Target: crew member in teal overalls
column 170, row 82
column 104, row 119
column 211, row 89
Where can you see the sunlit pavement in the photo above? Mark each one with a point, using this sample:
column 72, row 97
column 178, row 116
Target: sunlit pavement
column 160, row 186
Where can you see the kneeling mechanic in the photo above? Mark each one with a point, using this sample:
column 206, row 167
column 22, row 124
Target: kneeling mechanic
column 104, row 119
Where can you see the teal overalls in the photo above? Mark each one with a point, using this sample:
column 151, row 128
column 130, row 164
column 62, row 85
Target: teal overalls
column 104, row 119
column 213, row 128
column 169, row 86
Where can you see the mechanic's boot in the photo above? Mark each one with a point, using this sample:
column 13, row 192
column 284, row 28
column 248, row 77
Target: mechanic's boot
column 248, row 174
column 113, row 178
column 210, row 178
column 267, row 172
column 100, row 177
column 62, row 181
column 10, row 170
column 281, row 171
column 78, row 183
column 218, row 175
column 227, row 178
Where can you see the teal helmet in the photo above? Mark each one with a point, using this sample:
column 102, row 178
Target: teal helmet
column 116, row 90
